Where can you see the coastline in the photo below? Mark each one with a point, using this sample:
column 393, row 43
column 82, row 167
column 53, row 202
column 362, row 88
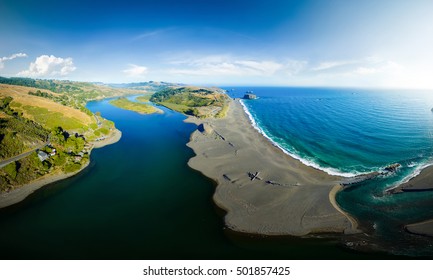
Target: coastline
column 286, row 198
column 19, row 194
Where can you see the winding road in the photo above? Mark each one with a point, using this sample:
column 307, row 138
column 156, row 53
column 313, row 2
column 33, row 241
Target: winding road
column 18, row 157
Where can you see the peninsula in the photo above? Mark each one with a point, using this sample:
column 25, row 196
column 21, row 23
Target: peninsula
column 263, row 190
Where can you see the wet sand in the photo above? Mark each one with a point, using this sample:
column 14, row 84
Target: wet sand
column 422, row 228
column 421, row 182
column 285, row 198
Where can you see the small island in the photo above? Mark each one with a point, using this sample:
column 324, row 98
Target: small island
column 140, row 108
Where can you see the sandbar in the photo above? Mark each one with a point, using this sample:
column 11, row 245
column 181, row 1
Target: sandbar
column 422, row 228
column 285, row 198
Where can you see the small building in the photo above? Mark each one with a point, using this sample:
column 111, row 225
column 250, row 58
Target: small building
column 42, row 155
column 77, row 158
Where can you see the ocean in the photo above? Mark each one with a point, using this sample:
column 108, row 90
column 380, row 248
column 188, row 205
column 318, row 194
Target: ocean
column 349, row 132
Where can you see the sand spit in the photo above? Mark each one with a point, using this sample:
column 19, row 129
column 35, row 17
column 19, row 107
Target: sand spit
column 263, row 190
column 422, row 228
column 20, row 193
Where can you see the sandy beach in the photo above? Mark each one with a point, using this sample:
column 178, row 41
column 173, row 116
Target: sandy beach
column 422, row 182
column 285, row 197
column 20, row 193
column 422, row 228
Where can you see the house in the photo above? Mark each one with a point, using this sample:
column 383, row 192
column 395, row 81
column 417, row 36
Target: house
column 77, row 158
column 42, row 155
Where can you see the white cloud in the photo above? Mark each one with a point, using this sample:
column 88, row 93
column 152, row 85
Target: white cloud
column 328, row 65
column 359, row 67
column 48, row 66
column 5, row 58
column 225, row 65
column 136, row 71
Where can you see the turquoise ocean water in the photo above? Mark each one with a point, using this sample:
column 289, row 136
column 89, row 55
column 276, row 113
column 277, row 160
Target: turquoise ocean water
column 349, row 132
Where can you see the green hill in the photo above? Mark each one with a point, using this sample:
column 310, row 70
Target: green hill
column 194, row 101
column 30, row 116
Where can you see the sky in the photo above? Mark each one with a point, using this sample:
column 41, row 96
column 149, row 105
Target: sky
column 342, row 43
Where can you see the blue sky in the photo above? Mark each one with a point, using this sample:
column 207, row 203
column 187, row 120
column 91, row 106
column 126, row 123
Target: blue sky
column 301, row 43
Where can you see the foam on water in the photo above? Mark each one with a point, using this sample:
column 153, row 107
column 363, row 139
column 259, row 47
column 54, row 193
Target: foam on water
column 330, row 171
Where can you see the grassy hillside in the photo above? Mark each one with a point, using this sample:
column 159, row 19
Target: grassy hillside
column 46, row 112
column 195, row 101
column 18, row 135
column 28, row 118
column 70, row 93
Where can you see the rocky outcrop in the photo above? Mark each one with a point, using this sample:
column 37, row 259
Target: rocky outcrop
column 250, row 96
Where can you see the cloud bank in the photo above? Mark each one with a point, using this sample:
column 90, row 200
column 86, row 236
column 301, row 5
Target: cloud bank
column 49, row 66
column 222, row 65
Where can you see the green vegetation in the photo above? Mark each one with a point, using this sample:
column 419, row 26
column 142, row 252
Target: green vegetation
column 63, row 99
column 199, row 102
column 73, row 94
column 144, row 98
column 18, row 134
column 134, row 106
column 11, row 170
column 51, row 120
column 67, row 151
column 223, row 112
column 71, row 167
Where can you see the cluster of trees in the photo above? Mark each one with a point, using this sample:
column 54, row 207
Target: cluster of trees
column 72, row 144
column 53, row 85
column 186, row 100
column 184, row 96
column 22, row 171
column 29, row 168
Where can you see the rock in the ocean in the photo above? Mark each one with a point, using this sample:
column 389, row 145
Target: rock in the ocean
column 250, row 96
